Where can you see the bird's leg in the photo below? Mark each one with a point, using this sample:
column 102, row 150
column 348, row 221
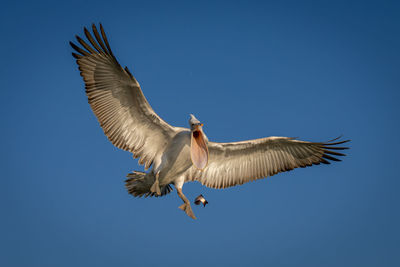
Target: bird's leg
column 155, row 188
column 186, row 205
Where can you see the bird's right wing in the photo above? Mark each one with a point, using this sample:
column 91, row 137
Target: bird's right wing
column 116, row 99
column 232, row 164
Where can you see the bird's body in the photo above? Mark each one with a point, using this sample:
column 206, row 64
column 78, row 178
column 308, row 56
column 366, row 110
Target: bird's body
column 175, row 160
column 178, row 155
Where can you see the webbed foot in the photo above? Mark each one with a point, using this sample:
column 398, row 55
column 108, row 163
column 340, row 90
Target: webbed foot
column 155, row 188
column 188, row 209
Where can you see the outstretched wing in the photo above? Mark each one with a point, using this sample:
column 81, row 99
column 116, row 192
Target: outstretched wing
column 116, row 99
column 237, row 163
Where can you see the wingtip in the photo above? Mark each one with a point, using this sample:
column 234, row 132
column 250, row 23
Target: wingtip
column 332, row 143
column 76, row 55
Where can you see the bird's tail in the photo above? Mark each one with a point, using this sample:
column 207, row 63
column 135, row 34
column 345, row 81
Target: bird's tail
column 139, row 183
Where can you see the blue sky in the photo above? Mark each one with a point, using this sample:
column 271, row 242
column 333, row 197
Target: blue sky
column 310, row 69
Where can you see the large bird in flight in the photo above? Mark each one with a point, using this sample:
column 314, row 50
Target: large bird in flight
column 178, row 155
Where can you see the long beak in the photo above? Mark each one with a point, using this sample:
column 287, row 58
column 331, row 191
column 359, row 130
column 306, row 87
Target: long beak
column 199, row 149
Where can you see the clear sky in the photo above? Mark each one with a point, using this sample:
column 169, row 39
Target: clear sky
column 312, row 70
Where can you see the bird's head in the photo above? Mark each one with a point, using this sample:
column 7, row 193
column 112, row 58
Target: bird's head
column 198, row 144
column 194, row 123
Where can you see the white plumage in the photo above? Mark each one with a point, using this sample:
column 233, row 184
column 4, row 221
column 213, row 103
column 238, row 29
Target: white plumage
column 178, row 155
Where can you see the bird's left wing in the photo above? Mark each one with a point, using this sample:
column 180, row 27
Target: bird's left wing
column 118, row 102
column 236, row 163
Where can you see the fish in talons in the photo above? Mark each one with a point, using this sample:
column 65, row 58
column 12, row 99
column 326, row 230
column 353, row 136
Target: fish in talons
column 200, row 200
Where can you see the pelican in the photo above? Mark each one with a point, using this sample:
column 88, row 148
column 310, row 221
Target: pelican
column 178, row 155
